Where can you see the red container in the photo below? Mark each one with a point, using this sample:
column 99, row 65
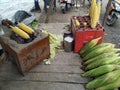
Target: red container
column 84, row 34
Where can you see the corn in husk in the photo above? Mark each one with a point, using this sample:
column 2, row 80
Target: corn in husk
column 98, row 52
column 95, row 48
column 55, row 43
column 100, row 70
column 110, row 86
column 104, row 80
column 104, row 61
column 90, row 45
column 101, row 56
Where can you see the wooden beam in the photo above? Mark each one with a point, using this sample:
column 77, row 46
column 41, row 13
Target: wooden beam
column 49, row 11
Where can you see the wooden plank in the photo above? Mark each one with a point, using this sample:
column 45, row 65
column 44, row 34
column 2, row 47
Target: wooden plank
column 65, row 58
column 8, row 67
column 69, row 61
column 55, row 28
column 49, row 11
column 44, row 77
column 44, row 68
column 30, row 85
column 57, row 69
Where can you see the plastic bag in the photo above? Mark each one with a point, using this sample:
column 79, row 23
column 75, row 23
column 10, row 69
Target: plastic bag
column 20, row 16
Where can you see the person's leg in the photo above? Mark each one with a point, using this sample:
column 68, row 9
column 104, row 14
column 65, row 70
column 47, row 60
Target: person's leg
column 37, row 6
column 54, row 5
column 66, row 6
column 45, row 5
column 89, row 2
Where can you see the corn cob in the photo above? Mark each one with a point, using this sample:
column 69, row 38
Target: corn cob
column 98, row 52
column 104, row 80
column 99, row 9
column 100, row 70
column 110, row 86
column 104, row 61
column 95, row 17
column 93, row 4
column 95, row 47
column 101, row 56
column 26, row 28
column 90, row 45
column 77, row 23
column 19, row 32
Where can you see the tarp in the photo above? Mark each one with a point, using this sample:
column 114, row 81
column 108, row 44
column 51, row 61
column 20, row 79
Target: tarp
column 9, row 7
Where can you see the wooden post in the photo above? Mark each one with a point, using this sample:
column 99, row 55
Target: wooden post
column 76, row 3
column 107, row 12
column 49, row 11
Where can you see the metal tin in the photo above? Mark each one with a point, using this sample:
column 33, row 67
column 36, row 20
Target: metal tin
column 68, row 44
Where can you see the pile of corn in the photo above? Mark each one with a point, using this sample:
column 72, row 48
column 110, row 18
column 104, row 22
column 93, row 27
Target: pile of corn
column 94, row 13
column 101, row 62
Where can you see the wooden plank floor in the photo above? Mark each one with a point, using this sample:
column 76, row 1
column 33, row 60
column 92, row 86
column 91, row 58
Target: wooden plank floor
column 62, row 74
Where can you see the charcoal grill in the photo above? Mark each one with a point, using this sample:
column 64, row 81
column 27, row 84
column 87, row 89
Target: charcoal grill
column 26, row 55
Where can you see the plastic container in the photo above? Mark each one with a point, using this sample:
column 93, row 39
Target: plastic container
column 67, row 33
column 84, row 34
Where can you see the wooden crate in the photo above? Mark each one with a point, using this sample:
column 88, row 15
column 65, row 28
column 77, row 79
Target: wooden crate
column 84, row 34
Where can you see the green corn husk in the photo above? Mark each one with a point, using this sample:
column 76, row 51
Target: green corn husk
column 55, row 43
column 100, row 70
column 98, row 52
column 90, row 44
column 101, row 56
column 104, row 80
column 104, row 61
column 96, row 47
column 110, row 86
column 117, row 62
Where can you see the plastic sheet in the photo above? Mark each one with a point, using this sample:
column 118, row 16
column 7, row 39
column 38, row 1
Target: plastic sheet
column 9, row 7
